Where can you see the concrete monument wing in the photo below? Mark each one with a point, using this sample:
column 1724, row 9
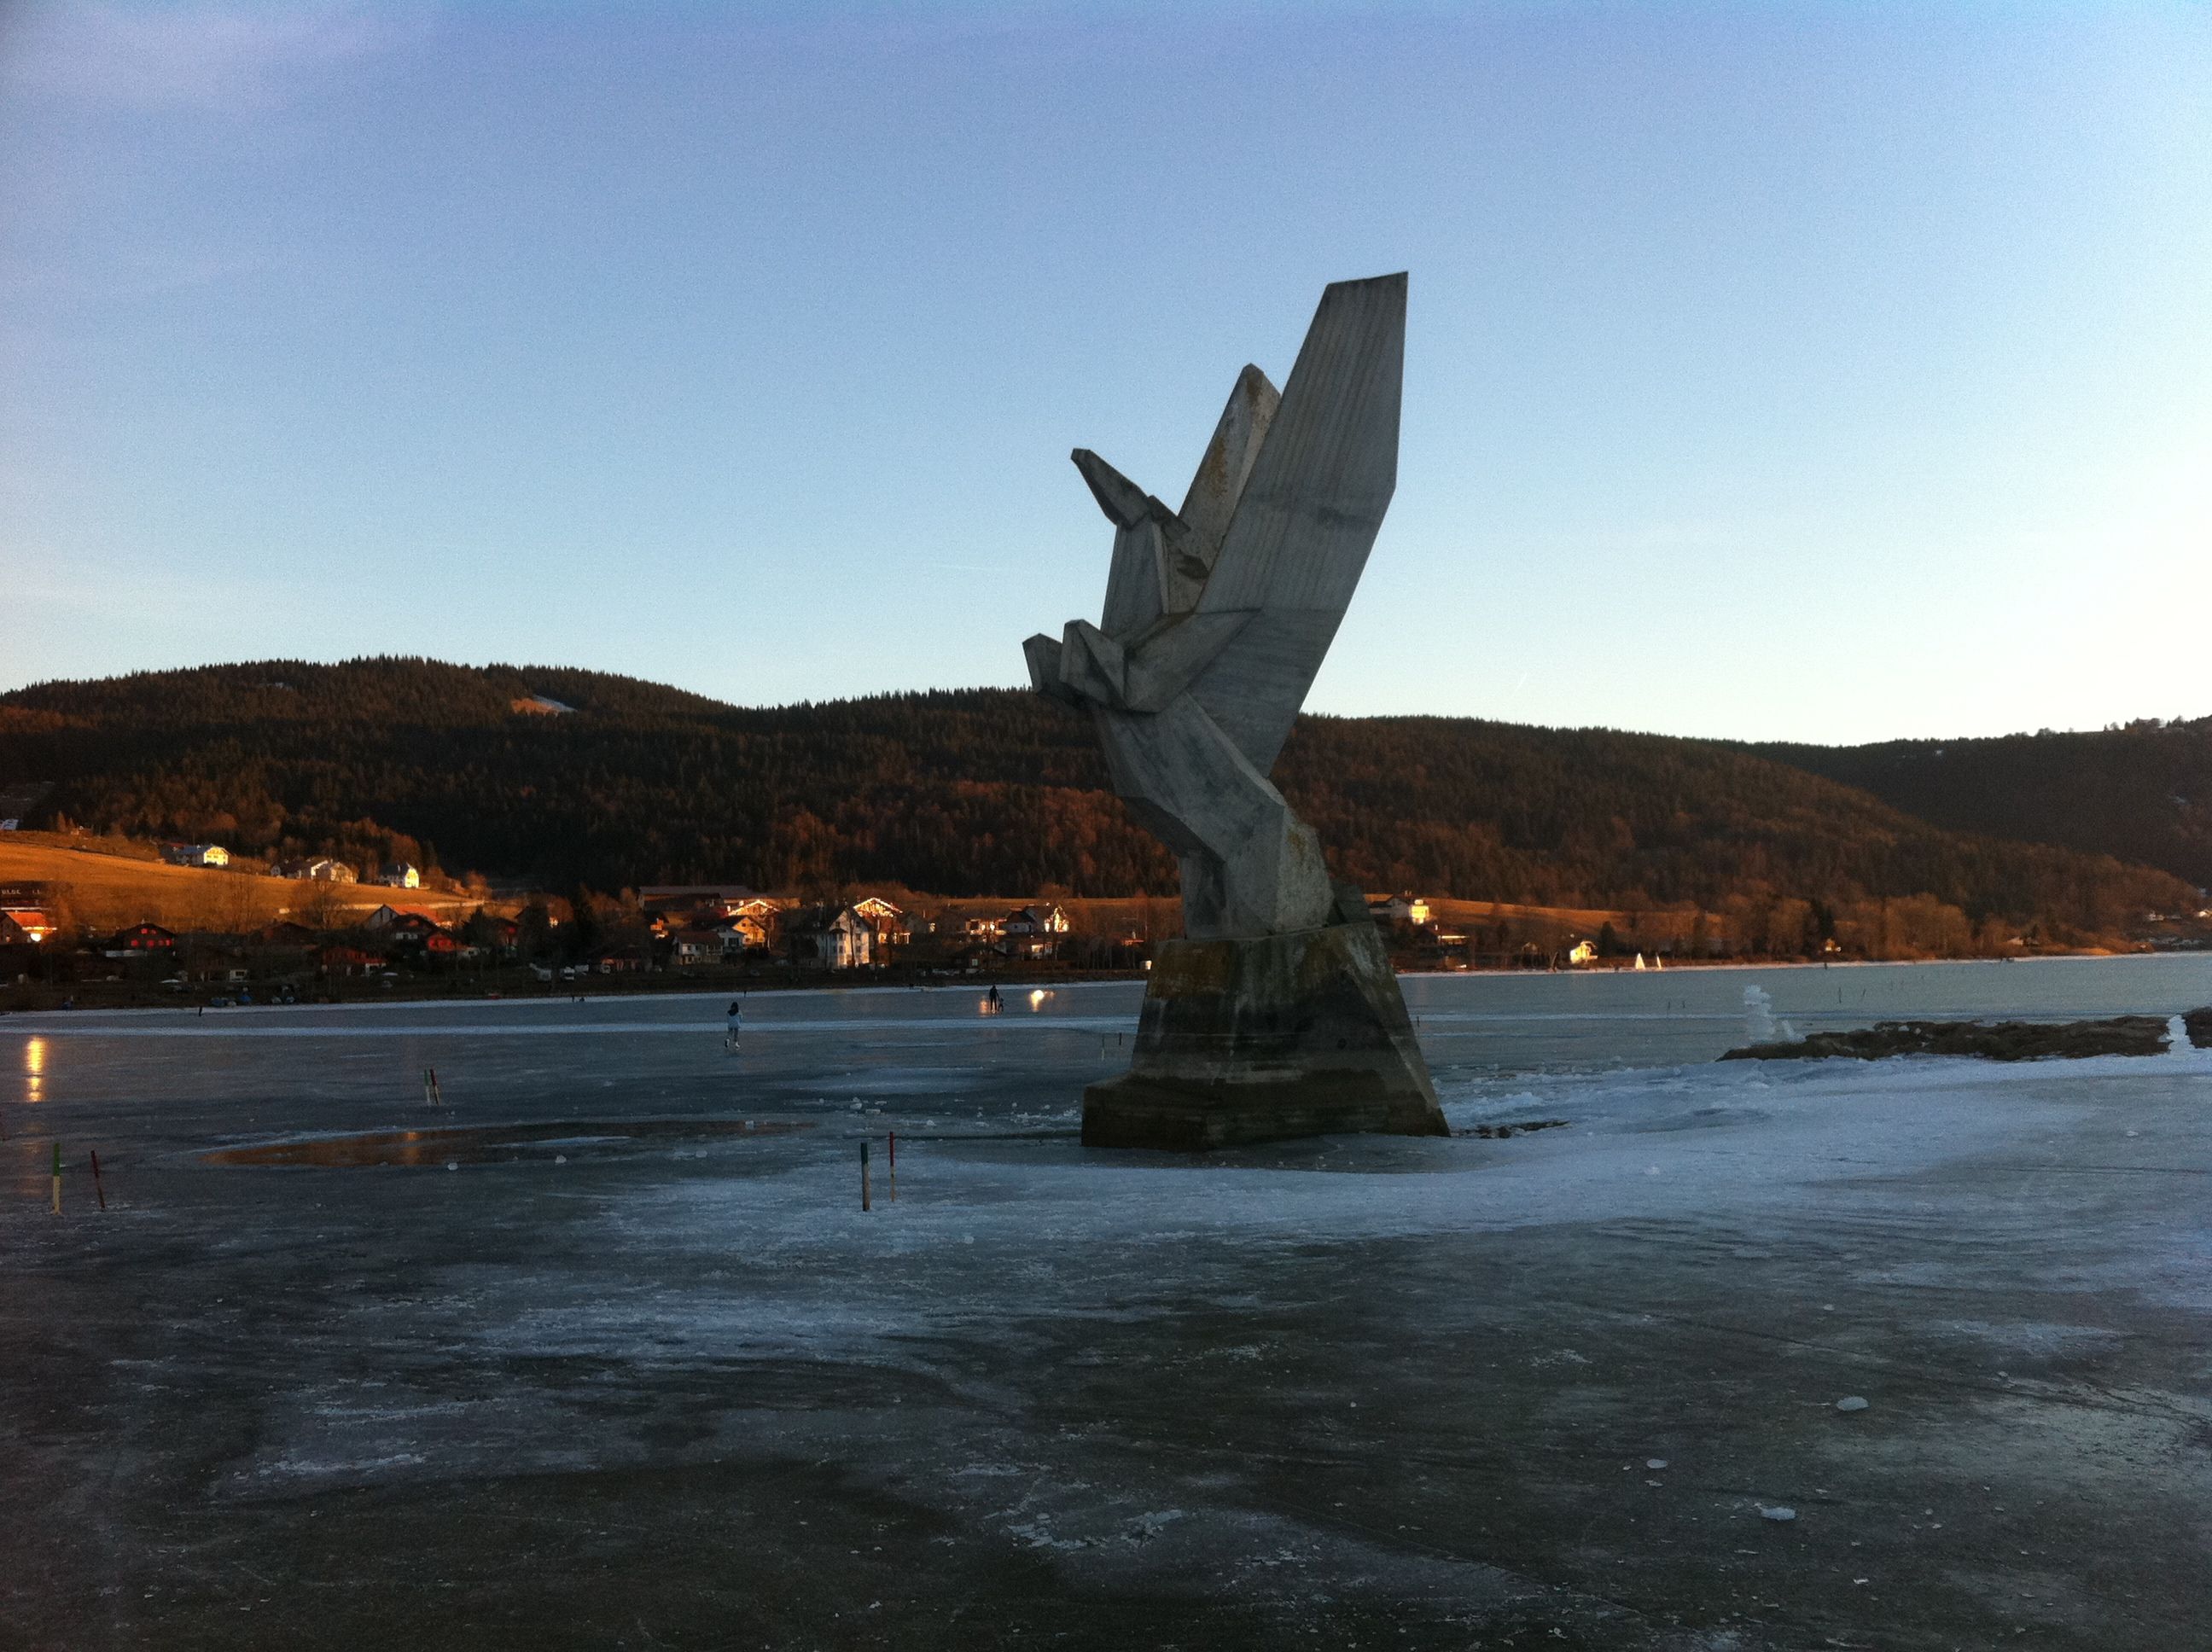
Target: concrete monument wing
column 1277, row 1014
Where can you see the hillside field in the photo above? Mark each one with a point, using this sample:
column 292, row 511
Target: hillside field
column 108, row 891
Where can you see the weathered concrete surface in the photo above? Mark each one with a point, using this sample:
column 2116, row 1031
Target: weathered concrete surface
column 1216, row 618
column 1265, row 1039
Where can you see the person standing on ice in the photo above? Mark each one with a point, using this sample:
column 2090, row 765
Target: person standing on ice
column 736, row 1022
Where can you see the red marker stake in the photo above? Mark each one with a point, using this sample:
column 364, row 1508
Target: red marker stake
column 96, row 1188
column 58, row 1178
column 864, row 1181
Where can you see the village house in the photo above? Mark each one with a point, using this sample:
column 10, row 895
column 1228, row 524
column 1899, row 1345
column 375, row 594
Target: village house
column 890, row 923
column 140, row 940
column 401, row 928
column 30, row 924
column 620, row 961
column 978, row 928
column 739, row 936
column 763, row 909
column 1400, row 909
column 1032, row 931
column 688, row 947
column 720, row 899
column 828, row 937
column 196, row 854
column 402, row 874
column 417, row 929
column 23, row 926
column 347, row 961
column 25, row 910
column 320, row 869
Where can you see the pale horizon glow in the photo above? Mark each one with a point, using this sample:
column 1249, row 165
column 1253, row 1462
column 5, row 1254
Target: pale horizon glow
column 1828, row 372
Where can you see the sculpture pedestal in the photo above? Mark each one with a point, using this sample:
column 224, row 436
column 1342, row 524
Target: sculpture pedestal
column 1262, row 1038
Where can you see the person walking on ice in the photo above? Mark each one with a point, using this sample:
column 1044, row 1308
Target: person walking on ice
column 736, row 1024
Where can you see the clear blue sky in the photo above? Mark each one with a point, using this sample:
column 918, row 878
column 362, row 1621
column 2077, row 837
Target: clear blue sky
column 1821, row 372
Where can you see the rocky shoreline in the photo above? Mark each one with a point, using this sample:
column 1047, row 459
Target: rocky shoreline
column 2001, row 1040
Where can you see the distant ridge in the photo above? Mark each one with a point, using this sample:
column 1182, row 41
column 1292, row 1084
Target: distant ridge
column 2143, row 792
column 973, row 791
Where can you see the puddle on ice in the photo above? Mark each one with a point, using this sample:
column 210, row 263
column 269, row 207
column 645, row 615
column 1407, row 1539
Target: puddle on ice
column 487, row 1142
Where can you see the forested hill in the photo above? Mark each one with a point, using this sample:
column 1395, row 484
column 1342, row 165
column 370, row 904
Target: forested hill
column 2143, row 792
column 966, row 793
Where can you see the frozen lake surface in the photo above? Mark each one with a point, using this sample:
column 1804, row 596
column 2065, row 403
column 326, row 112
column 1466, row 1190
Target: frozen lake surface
column 633, row 1373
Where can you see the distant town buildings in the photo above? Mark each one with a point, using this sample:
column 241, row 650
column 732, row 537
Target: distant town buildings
column 320, row 869
column 139, row 940
column 1032, row 931
column 889, row 922
column 23, row 926
column 196, row 854
column 723, row 900
column 25, row 913
column 828, row 937
column 1400, row 909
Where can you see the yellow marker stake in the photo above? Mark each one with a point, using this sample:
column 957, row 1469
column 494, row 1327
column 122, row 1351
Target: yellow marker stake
column 58, row 1178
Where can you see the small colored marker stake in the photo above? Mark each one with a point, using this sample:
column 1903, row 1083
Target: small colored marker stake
column 100, row 1191
column 891, row 1147
column 58, row 1178
column 863, row 1182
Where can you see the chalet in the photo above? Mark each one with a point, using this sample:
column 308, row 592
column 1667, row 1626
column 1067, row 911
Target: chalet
column 140, row 940
column 442, row 944
column 383, row 918
column 27, row 923
column 196, row 854
column 828, row 937
column 347, row 961
column 745, row 933
column 284, row 933
column 1031, row 921
column 981, row 928
column 688, row 947
column 504, row 935
column 23, row 926
column 413, row 929
column 763, row 909
column 620, row 961
column 889, row 922
column 401, row 874
column 320, row 869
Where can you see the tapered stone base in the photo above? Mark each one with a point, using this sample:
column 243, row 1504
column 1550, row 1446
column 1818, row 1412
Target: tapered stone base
column 1262, row 1039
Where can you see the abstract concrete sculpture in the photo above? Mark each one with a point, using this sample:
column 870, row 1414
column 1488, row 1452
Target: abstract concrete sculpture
column 1277, row 1014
